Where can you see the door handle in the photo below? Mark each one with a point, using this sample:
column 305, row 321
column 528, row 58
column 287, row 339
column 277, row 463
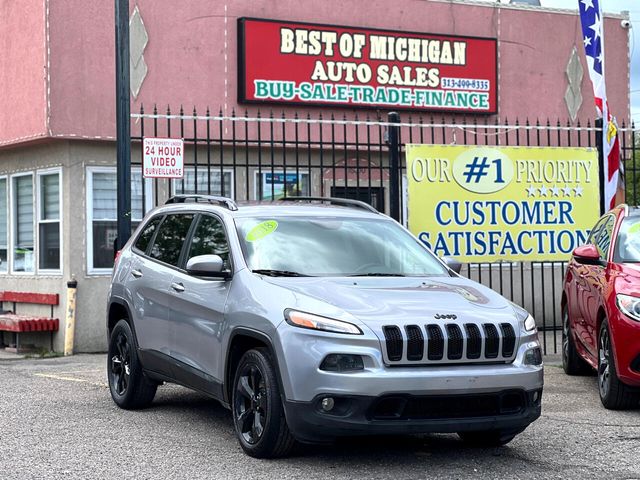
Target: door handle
column 136, row 273
column 178, row 287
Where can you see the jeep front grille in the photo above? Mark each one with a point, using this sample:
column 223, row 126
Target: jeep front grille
column 449, row 343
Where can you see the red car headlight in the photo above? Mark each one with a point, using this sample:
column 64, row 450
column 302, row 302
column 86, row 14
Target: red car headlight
column 629, row 305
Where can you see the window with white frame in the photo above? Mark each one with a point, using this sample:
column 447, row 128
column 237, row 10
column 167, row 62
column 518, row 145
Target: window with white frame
column 102, row 227
column 49, row 233
column 4, row 226
column 208, row 182
column 22, row 212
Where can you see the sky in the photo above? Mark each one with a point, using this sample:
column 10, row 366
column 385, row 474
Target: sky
column 616, row 6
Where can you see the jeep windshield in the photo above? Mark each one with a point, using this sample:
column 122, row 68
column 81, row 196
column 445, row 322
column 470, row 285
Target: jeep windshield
column 333, row 246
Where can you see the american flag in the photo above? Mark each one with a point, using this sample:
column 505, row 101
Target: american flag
column 592, row 33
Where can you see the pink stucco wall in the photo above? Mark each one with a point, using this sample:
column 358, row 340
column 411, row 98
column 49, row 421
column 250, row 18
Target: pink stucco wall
column 191, row 54
column 23, row 71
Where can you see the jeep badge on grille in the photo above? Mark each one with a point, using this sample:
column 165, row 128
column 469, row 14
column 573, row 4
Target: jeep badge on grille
column 443, row 316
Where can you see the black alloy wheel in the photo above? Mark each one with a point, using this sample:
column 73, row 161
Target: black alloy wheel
column 258, row 413
column 130, row 387
column 250, row 406
column 120, row 362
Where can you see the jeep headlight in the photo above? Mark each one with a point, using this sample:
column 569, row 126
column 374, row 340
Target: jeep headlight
column 629, row 305
column 316, row 322
column 525, row 317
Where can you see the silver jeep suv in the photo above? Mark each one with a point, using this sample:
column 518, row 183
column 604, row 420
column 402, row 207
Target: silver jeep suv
column 312, row 319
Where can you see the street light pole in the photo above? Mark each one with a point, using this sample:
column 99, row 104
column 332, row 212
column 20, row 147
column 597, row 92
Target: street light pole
column 123, row 132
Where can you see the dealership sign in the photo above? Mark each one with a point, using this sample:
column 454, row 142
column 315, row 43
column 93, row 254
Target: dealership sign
column 309, row 64
column 485, row 204
column 163, row 158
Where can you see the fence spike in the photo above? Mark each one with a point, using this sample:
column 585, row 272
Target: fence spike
column 168, row 110
column 181, row 111
column 220, row 112
column 208, row 113
column 142, row 109
column 233, row 112
column 194, row 111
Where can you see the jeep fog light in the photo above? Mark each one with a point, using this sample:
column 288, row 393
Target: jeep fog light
column 338, row 362
column 533, row 356
column 327, row 404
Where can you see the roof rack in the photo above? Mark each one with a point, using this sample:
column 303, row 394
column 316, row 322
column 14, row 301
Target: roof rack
column 212, row 199
column 343, row 202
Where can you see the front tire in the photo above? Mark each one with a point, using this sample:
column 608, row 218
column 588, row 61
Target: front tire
column 614, row 394
column 258, row 415
column 572, row 363
column 130, row 388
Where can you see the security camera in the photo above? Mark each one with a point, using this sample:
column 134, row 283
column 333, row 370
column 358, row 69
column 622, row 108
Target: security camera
column 625, row 24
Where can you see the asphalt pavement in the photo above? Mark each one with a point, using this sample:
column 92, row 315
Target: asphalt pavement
column 57, row 420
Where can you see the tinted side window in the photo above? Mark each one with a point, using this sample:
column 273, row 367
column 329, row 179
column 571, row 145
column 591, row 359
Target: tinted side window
column 209, row 239
column 595, row 231
column 145, row 237
column 170, row 238
column 604, row 239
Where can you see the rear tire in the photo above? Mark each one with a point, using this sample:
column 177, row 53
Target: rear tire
column 488, row 438
column 130, row 388
column 614, row 394
column 572, row 362
column 258, row 415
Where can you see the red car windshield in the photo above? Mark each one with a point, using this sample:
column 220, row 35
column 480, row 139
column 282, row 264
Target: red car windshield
column 628, row 244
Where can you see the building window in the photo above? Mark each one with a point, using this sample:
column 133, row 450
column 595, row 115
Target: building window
column 23, row 241
column 273, row 185
column 49, row 233
column 4, row 226
column 208, row 183
column 102, row 227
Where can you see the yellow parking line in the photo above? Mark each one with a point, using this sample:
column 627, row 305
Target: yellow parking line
column 76, row 372
column 70, row 379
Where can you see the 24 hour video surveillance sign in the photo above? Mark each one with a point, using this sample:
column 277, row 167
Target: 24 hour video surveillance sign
column 486, row 204
column 309, row 64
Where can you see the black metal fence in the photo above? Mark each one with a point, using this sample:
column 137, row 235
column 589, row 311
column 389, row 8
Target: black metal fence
column 263, row 157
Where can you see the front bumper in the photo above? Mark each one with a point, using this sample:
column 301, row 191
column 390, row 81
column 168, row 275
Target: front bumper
column 301, row 351
column 509, row 411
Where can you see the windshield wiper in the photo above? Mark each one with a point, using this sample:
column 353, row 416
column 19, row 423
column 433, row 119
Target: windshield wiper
column 377, row 274
column 278, row 273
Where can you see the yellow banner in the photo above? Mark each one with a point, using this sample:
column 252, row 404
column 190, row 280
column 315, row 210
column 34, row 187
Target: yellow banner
column 487, row 204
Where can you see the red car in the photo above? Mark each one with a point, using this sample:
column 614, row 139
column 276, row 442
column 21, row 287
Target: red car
column 601, row 308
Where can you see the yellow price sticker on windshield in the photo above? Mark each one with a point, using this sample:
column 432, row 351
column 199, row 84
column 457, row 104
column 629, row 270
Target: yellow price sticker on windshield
column 261, row 230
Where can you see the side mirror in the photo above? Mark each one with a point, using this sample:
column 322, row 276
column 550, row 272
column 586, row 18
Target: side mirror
column 452, row 263
column 587, row 255
column 206, row 266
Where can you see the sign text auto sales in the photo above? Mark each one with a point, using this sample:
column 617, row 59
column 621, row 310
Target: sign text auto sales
column 316, row 64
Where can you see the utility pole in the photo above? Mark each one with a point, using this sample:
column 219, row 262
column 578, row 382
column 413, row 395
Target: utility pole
column 123, row 131
column 394, row 166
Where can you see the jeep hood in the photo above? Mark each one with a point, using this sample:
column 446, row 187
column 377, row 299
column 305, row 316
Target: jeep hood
column 385, row 299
